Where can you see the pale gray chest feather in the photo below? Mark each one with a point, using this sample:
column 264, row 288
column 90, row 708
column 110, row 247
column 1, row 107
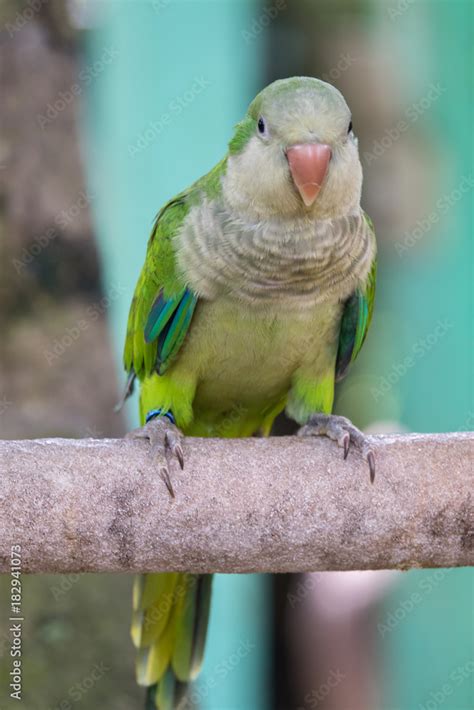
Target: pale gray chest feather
column 298, row 262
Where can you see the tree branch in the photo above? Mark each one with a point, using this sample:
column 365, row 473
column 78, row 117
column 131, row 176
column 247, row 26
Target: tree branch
column 256, row 505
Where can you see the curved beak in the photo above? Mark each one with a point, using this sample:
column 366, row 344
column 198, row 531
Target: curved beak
column 308, row 165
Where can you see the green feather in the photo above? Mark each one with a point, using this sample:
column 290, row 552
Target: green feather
column 160, row 313
column 356, row 319
column 165, row 692
column 153, row 601
column 160, row 286
column 243, row 133
column 191, row 626
column 174, row 335
column 203, row 604
column 159, row 274
column 169, row 626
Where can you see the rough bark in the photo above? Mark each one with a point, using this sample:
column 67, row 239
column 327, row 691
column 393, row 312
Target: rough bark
column 269, row 505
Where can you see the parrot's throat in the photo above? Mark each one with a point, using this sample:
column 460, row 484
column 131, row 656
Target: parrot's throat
column 298, row 262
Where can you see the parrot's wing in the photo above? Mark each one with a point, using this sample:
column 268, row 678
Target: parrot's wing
column 356, row 319
column 162, row 306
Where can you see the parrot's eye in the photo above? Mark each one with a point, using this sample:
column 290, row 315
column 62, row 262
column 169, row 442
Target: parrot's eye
column 349, row 130
column 262, row 126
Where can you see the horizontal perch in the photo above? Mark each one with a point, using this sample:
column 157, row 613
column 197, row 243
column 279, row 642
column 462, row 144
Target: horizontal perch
column 256, row 505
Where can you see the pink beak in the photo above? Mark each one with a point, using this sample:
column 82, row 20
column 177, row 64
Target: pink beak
column 309, row 164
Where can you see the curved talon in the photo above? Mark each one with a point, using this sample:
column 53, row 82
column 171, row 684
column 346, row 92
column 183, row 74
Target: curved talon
column 346, row 442
column 342, row 430
column 180, row 456
column 371, row 462
column 164, row 473
column 164, row 439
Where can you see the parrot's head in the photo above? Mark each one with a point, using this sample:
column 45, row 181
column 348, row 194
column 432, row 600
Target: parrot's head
column 295, row 153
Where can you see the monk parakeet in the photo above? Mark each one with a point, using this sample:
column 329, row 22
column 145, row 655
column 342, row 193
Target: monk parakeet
column 256, row 295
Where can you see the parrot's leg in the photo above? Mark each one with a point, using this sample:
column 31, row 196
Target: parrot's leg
column 342, row 430
column 165, row 442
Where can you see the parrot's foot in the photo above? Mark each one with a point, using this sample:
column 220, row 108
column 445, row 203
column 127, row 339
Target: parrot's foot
column 165, row 442
column 342, row 430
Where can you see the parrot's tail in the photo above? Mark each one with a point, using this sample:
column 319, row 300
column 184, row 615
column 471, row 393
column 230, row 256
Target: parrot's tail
column 169, row 626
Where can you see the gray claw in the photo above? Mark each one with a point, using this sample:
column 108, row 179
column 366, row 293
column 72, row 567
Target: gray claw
column 371, row 462
column 165, row 440
column 165, row 475
column 342, row 430
column 172, row 440
column 346, row 443
column 180, row 456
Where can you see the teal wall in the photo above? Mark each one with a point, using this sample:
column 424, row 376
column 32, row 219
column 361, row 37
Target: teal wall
column 159, row 116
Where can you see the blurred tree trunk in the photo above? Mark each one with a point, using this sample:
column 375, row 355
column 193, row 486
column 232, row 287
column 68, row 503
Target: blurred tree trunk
column 49, row 266
column 45, row 230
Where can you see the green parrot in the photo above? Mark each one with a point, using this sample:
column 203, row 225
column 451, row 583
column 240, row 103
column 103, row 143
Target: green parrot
column 256, row 295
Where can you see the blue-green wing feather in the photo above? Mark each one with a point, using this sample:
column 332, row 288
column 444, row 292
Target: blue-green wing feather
column 168, row 322
column 158, row 293
column 172, row 337
column 162, row 310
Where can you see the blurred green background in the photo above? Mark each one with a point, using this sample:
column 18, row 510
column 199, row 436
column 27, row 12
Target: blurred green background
column 108, row 108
